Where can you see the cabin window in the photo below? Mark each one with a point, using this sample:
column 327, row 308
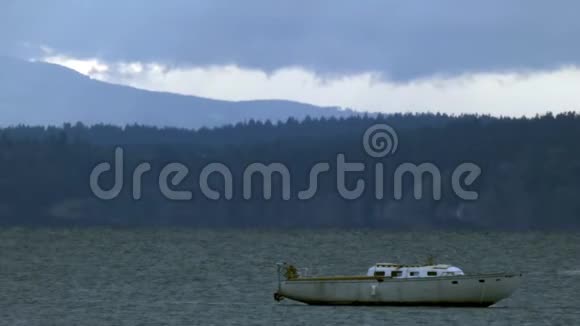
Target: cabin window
column 379, row 273
column 396, row 273
column 431, row 273
column 454, row 282
column 413, row 273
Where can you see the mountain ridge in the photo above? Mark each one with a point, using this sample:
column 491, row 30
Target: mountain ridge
column 39, row 93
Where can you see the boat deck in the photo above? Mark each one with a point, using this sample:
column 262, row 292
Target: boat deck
column 382, row 278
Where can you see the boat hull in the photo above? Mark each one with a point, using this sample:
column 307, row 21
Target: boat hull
column 460, row 291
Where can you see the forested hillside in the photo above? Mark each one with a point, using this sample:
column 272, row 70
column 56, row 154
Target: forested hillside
column 530, row 173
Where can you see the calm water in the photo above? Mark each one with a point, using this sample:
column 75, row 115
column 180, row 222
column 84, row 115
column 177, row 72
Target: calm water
column 191, row 277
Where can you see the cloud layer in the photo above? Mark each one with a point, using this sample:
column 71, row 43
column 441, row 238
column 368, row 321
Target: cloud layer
column 512, row 94
column 399, row 40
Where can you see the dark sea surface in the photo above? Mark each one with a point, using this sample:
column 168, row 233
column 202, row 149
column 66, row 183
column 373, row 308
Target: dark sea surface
column 227, row 277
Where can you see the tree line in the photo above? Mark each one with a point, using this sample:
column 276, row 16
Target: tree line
column 530, row 173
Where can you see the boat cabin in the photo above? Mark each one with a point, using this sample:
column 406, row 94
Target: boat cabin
column 409, row 271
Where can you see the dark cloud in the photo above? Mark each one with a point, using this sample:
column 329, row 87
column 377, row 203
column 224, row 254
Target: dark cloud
column 402, row 39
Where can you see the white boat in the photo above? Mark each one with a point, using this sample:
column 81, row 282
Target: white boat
column 396, row 284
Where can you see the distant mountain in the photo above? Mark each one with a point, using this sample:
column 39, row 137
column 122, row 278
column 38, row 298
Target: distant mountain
column 40, row 93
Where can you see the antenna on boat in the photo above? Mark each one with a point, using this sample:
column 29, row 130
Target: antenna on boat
column 430, row 260
column 279, row 267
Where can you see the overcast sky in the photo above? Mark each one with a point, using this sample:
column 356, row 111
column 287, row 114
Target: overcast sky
column 500, row 57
